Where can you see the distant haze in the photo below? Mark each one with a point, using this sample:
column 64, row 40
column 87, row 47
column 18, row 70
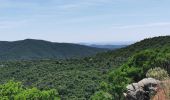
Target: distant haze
column 108, row 43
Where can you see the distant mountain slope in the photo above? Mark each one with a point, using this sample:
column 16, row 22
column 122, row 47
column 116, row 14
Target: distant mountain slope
column 33, row 49
column 75, row 79
column 139, row 58
column 111, row 47
column 149, row 43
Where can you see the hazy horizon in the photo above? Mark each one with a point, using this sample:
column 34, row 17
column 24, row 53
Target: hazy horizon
column 87, row 21
column 82, row 43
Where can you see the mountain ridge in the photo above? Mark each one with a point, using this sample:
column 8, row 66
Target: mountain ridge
column 33, row 49
column 77, row 78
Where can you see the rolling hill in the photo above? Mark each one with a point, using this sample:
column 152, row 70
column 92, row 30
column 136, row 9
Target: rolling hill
column 77, row 79
column 40, row 49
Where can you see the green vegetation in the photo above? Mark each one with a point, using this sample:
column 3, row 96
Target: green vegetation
column 135, row 69
column 38, row 49
column 101, row 95
column 157, row 73
column 74, row 79
column 104, row 74
column 15, row 91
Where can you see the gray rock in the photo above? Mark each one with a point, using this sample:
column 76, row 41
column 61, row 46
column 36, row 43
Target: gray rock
column 142, row 89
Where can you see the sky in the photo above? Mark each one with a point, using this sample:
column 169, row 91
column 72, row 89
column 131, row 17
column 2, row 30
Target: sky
column 84, row 20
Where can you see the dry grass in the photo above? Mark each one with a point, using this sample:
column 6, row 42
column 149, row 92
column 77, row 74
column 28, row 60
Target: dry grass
column 164, row 91
column 166, row 88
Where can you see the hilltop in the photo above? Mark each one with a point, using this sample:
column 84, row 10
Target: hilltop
column 40, row 49
column 79, row 78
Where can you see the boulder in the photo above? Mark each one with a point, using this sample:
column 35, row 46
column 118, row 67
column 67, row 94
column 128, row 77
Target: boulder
column 142, row 90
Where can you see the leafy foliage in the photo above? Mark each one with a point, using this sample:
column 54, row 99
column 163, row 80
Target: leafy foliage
column 157, row 73
column 101, row 95
column 15, row 91
column 74, row 79
column 80, row 78
column 135, row 69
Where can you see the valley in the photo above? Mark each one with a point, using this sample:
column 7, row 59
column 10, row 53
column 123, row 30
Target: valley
column 82, row 77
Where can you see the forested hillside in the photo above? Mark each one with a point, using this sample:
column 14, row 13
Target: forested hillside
column 106, row 73
column 39, row 49
column 149, row 53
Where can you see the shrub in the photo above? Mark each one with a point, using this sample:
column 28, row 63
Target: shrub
column 157, row 73
column 15, row 91
column 101, row 95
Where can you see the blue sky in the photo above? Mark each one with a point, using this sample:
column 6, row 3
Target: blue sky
column 84, row 20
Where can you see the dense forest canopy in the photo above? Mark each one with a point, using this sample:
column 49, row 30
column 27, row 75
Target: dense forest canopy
column 90, row 77
column 29, row 49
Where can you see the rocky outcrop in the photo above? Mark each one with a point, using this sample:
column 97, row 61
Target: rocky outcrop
column 142, row 90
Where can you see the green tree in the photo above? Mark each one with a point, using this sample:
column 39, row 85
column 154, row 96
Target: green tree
column 101, row 95
column 15, row 91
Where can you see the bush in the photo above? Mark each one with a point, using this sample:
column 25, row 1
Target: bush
column 101, row 95
column 15, row 91
column 157, row 73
